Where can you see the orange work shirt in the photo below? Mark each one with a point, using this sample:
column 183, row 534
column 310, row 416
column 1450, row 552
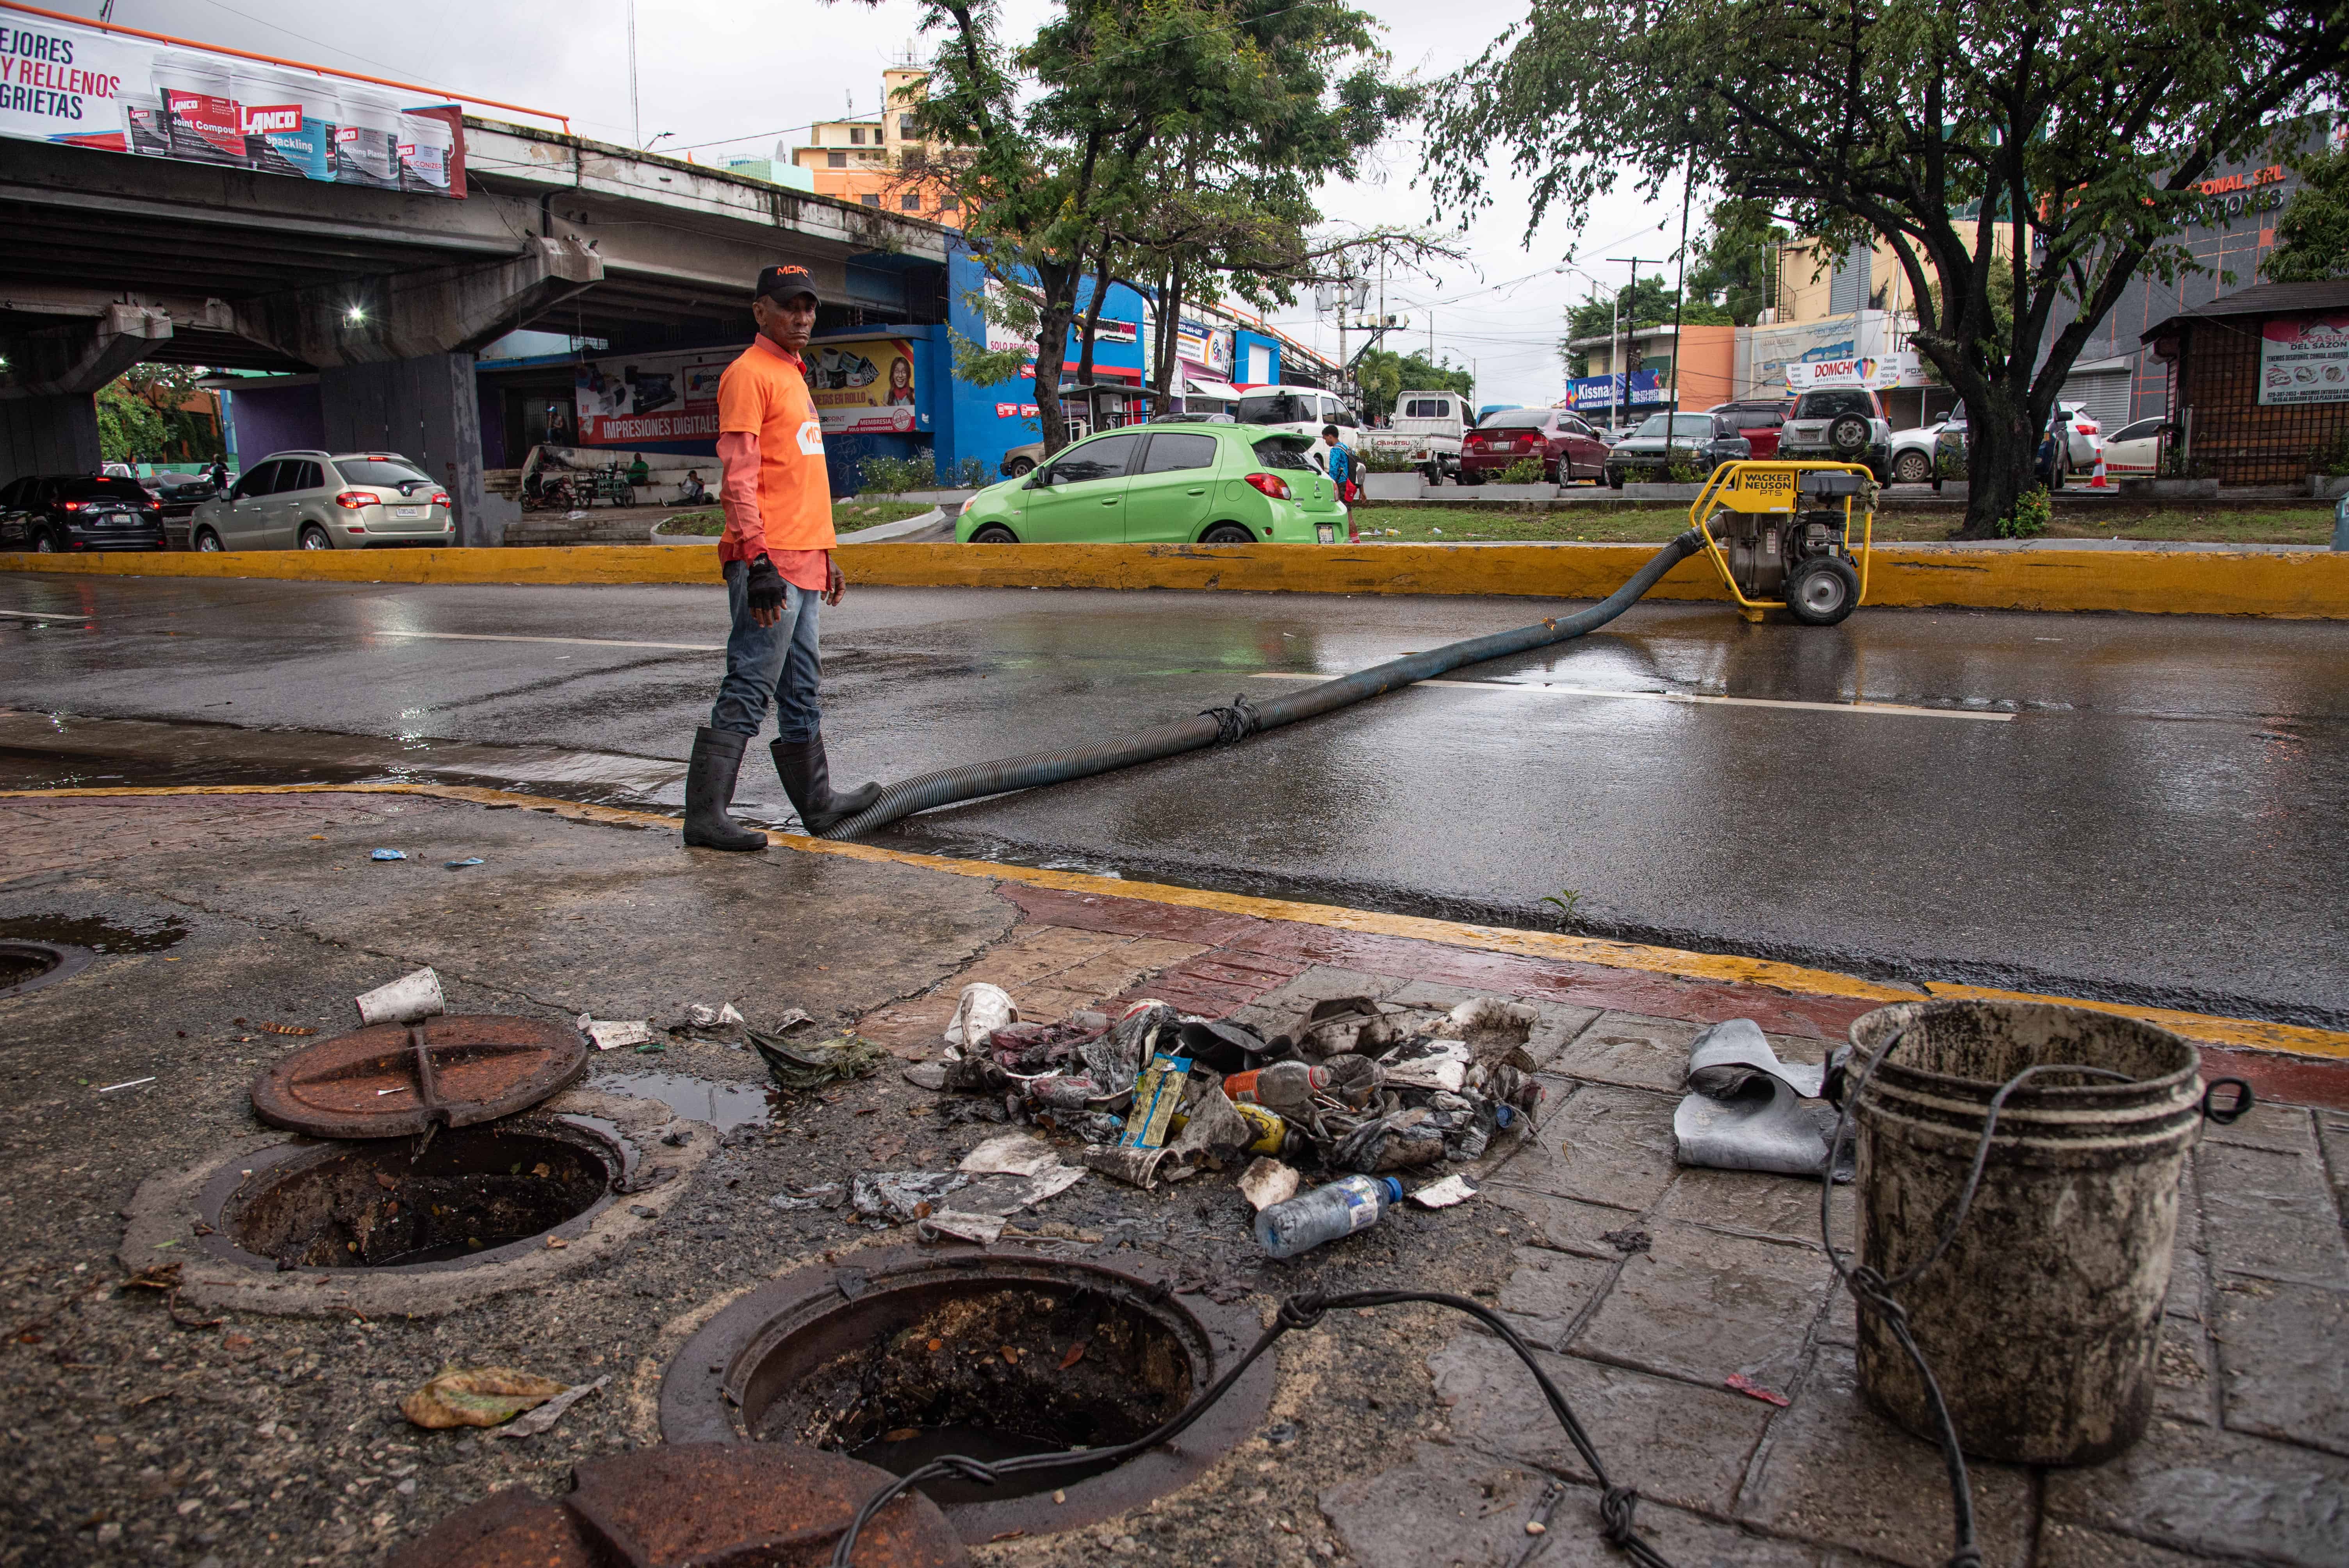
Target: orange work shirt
column 764, row 394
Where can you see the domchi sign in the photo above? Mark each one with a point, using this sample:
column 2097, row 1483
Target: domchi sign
column 82, row 88
column 1898, row 369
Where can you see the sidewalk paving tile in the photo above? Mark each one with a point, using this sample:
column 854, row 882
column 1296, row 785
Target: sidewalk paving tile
column 1670, row 1440
column 1757, row 1204
column 1836, row 1472
column 2290, row 1127
column 2333, row 1136
column 1452, row 1507
column 1565, row 1224
column 1602, row 1143
column 1548, row 1292
column 2271, row 1214
column 2283, row 1349
column 2216, row 1492
column 1700, row 1305
column 2070, row 1546
column 2184, row 1388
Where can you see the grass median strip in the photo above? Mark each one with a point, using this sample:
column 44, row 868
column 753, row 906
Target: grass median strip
column 1600, row 524
column 848, row 517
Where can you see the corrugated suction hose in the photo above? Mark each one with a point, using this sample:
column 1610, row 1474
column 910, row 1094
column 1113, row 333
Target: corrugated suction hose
column 926, row 791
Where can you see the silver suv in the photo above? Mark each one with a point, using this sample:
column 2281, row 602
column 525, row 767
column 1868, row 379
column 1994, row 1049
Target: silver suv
column 326, row 500
column 1839, row 425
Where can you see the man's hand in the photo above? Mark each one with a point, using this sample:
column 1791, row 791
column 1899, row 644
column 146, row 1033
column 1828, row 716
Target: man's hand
column 834, row 584
column 765, row 596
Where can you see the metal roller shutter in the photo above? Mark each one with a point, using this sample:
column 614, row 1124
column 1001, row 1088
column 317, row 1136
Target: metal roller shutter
column 2106, row 396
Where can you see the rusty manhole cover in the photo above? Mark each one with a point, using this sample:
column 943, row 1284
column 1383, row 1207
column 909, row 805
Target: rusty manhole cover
column 393, row 1079
column 901, row 1355
column 706, row 1505
column 29, row 965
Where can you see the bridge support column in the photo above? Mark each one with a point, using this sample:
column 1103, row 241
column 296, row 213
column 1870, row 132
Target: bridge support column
column 55, row 435
column 426, row 409
column 49, row 380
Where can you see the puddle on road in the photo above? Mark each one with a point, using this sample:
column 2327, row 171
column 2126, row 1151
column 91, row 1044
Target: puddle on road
column 725, row 1106
column 43, row 750
column 97, row 935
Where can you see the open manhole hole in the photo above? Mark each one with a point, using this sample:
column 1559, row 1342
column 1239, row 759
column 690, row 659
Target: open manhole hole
column 479, row 1192
column 909, row 1355
column 29, row 965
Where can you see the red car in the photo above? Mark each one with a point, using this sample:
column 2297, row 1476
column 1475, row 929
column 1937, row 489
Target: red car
column 1758, row 422
column 1567, row 448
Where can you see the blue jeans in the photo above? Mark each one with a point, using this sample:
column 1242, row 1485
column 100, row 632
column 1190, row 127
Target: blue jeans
column 763, row 663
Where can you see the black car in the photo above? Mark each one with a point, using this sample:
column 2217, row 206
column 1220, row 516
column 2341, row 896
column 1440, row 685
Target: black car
column 1700, row 441
column 52, row 513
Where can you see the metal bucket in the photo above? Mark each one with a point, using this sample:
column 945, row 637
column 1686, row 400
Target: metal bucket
column 2043, row 1319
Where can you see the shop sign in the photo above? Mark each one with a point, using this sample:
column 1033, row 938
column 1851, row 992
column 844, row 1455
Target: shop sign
column 2304, row 361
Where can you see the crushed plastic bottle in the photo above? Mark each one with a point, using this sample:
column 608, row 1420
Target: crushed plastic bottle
column 1349, row 1204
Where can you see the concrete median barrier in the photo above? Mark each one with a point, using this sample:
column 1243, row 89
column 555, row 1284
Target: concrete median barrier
column 2299, row 584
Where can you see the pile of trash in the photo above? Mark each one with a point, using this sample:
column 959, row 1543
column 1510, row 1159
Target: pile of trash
column 1345, row 1086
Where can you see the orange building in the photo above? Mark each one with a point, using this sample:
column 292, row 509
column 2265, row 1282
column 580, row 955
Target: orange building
column 878, row 159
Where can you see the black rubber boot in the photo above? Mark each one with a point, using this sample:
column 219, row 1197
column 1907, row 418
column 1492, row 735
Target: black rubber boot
column 709, row 790
column 807, row 780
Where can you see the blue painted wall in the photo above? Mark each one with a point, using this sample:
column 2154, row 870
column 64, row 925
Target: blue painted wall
column 1243, row 340
column 984, row 422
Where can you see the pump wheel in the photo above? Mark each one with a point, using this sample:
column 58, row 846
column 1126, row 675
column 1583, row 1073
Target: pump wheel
column 1822, row 591
column 993, row 533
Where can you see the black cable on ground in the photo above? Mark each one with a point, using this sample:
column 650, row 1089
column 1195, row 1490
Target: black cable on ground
column 1615, row 1503
column 926, row 792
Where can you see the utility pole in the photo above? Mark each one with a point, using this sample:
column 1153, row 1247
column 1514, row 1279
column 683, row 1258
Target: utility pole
column 635, row 115
column 1680, row 296
column 1630, row 330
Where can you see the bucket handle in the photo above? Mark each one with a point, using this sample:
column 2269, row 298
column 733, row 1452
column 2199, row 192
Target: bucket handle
column 2227, row 1116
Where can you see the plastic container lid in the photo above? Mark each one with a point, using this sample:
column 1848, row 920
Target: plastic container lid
column 1394, row 1188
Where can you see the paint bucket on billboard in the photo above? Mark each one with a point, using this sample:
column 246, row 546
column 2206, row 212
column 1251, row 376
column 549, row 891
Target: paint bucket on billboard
column 426, row 142
column 289, row 117
column 366, row 140
column 200, row 112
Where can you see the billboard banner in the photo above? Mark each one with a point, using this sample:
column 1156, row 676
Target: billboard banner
column 1588, row 393
column 1901, row 369
column 82, row 87
column 864, row 386
column 1208, row 348
column 2304, row 361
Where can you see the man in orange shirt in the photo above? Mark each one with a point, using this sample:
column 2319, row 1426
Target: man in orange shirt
column 777, row 555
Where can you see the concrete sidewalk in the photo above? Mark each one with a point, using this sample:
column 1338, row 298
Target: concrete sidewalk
column 1405, row 1437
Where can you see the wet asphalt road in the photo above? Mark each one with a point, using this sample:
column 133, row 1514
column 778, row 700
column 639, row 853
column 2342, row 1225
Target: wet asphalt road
column 2142, row 807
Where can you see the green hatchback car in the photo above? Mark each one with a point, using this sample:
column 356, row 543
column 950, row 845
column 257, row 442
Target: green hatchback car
column 1172, row 483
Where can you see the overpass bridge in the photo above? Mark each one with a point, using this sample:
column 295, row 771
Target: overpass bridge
column 112, row 260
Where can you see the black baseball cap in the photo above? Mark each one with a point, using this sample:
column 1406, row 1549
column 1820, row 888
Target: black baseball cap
column 785, row 281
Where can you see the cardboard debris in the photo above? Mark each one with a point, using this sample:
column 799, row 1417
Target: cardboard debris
column 611, row 1034
column 1444, row 1193
column 1266, row 1182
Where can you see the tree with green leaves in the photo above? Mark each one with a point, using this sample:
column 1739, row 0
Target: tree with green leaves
column 1124, row 139
column 2313, row 235
column 1382, row 376
column 2057, row 141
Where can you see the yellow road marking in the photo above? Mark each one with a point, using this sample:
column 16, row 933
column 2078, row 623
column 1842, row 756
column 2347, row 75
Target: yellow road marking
column 1719, row 968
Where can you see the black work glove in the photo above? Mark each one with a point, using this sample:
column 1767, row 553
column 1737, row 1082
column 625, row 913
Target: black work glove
column 766, row 591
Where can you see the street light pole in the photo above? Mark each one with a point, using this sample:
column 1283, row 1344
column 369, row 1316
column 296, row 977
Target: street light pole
column 1630, row 330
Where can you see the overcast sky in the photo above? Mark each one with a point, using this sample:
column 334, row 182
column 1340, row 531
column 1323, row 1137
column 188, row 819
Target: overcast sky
column 754, row 72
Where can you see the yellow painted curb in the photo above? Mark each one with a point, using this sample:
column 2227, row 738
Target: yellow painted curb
column 2300, row 585
column 1719, row 968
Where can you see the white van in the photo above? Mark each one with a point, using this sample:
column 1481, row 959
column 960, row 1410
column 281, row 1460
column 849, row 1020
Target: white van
column 1300, row 410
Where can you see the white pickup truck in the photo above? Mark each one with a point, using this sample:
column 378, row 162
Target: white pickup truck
column 1426, row 427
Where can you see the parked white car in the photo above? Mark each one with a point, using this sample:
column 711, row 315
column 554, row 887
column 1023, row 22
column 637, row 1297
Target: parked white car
column 2134, row 451
column 1912, row 453
column 1426, row 427
column 1301, row 411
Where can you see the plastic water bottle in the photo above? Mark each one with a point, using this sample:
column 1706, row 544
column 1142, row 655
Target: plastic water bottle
column 1349, row 1204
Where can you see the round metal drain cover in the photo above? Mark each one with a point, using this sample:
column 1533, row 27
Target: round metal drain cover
column 393, row 1079
column 709, row 1505
column 29, row 965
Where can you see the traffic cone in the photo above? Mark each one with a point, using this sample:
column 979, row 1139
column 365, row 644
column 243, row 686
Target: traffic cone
column 2096, row 481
